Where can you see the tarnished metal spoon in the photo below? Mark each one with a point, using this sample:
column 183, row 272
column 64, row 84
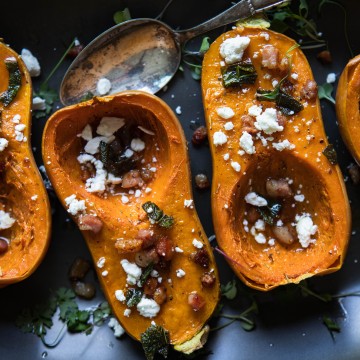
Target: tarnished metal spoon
column 141, row 54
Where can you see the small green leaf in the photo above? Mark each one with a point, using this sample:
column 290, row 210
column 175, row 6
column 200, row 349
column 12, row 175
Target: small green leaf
column 155, row 340
column 205, row 44
column 14, row 81
column 331, row 324
column 156, row 215
column 229, row 291
column 330, row 153
column 270, row 212
column 238, row 74
column 145, row 274
column 121, row 16
column 325, row 92
column 303, row 8
column 133, row 297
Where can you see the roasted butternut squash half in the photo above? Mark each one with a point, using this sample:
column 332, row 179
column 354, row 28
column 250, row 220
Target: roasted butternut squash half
column 280, row 208
column 347, row 106
column 119, row 165
column 25, row 216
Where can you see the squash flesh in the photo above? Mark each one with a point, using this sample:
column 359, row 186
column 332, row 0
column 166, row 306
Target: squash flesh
column 264, row 267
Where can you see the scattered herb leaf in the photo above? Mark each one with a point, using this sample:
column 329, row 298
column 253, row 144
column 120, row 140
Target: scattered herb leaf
column 325, row 91
column 156, row 215
column 229, row 291
column 235, row 75
column 155, row 340
column 145, row 274
column 121, row 16
column 330, row 153
column 270, row 212
column 331, row 325
column 133, row 297
column 14, row 81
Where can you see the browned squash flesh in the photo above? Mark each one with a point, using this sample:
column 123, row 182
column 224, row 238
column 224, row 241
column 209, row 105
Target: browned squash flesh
column 313, row 187
column 22, row 192
column 122, row 218
column 347, row 106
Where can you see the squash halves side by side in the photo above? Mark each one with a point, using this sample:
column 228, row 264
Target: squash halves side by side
column 23, row 194
column 169, row 188
column 288, row 151
column 347, row 106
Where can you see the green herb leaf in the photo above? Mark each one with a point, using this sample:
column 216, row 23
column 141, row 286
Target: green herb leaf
column 331, row 324
column 229, row 291
column 205, row 45
column 303, row 8
column 235, row 75
column 325, row 92
column 121, row 16
column 87, row 96
column 330, row 153
column 133, row 297
column 77, row 321
column 14, row 81
column 156, row 215
column 270, row 212
column 101, row 313
column 145, row 274
column 155, row 340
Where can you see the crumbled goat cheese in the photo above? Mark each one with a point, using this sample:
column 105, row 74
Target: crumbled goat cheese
column 268, row 122
column 282, row 145
column 260, row 225
column 92, row 146
column 154, row 273
column 259, row 237
column 105, row 273
column 247, row 143
column 97, row 183
column 305, row 228
column 3, row 144
column 128, row 153
column 75, row 206
column 232, row 49
column 119, row 294
column 180, row 273
column 236, row 166
column 103, row 86
column 265, row 35
column 178, row 110
column 299, row 198
column 109, row 125
column 101, row 262
column 38, row 103
column 127, row 312
column 137, row 193
column 148, row 307
column 226, row 156
column 124, row 199
column 255, row 110
column 178, row 250
column 295, row 76
column 331, row 78
column 229, row 126
column 19, row 135
column 188, row 203
column 148, row 190
column 133, row 271
column 253, row 199
column 112, row 179
column 137, row 145
column 219, row 138
column 34, row 197
column 86, row 133
column 31, row 62
column 225, row 112
column 6, row 221
column 118, row 329
column 16, row 119
column 198, row 244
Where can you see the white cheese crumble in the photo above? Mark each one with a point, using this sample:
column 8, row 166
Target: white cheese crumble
column 180, row 273
column 105, row 273
column 229, row 126
column 268, row 122
column 16, row 119
column 188, row 203
column 92, row 146
column 127, row 312
column 178, row 110
column 103, row 86
column 178, row 250
column 299, row 198
column 101, row 262
column 31, row 62
column 305, row 228
column 236, row 166
column 38, row 103
column 118, row 329
column 226, row 156
column 137, row 145
column 260, row 225
column 3, row 144
column 6, row 221
column 119, row 295
column 133, row 271
column 148, row 307
column 232, row 49
column 124, row 199
column 19, row 135
column 225, row 112
column 282, row 145
column 75, row 206
column 253, row 199
column 86, row 133
column 265, row 35
column 247, row 143
column 331, row 78
column 255, row 110
column 109, row 125
column 219, row 138
column 198, row 244
column 34, row 197
column 295, row 76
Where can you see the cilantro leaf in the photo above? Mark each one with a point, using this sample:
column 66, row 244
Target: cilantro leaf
column 229, row 291
column 121, row 16
column 325, row 92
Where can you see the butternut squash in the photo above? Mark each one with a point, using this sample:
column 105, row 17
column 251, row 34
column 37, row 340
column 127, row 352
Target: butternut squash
column 25, row 218
column 124, row 223
column 280, row 208
column 347, row 106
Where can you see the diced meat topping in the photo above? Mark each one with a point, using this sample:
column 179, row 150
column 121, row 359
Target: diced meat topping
column 199, row 135
column 201, row 257
column 164, row 248
column 147, row 237
column 146, row 257
column 208, row 279
column 196, row 301
column 248, row 124
column 270, row 56
column 124, row 246
column 309, row 90
column 91, row 223
column 284, row 234
column 278, row 188
column 150, row 286
column 132, row 179
column 160, row 295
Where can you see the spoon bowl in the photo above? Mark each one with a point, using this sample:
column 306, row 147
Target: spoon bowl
column 141, row 54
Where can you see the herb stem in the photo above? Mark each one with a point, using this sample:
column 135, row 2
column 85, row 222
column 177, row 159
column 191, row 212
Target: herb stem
column 223, row 326
column 312, row 293
column 339, row 296
column 57, row 339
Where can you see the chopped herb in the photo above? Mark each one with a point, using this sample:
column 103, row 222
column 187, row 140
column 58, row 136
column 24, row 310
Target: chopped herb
column 156, row 215
column 101, row 313
column 331, row 324
column 330, row 153
column 104, row 153
column 121, row 16
column 155, row 340
column 133, row 297
column 325, row 91
column 14, row 81
column 145, row 274
column 270, row 212
column 235, row 75
column 229, row 290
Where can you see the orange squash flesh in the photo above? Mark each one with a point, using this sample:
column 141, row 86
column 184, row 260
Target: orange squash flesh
column 170, row 187
column 262, row 266
column 23, row 194
column 347, row 106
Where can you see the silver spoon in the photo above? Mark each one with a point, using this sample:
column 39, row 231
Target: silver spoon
column 141, row 54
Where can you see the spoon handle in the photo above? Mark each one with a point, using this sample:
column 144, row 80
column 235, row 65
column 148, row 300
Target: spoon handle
column 241, row 10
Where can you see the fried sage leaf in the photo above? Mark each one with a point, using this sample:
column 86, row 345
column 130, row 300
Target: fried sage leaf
column 235, row 75
column 14, row 81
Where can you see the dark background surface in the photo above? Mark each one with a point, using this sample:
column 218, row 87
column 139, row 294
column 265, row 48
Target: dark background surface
column 290, row 329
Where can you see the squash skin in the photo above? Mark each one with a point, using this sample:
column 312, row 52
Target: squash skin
column 347, row 106
column 279, row 265
column 30, row 234
column 170, row 188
